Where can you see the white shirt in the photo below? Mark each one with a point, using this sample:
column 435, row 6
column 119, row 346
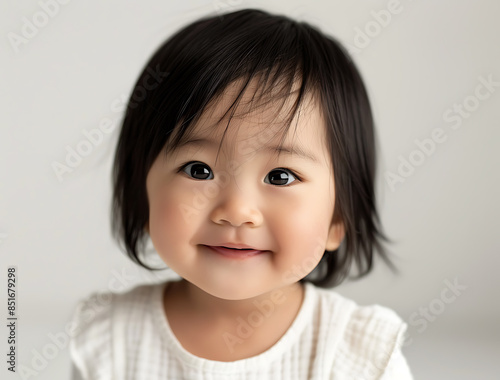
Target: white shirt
column 126, row 336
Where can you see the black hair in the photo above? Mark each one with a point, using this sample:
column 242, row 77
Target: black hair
column 194, row 67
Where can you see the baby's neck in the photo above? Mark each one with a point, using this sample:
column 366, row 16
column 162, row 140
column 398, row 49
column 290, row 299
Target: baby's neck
column 285, row 299
column 218, row 335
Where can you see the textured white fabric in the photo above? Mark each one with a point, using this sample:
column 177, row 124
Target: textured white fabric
column 126, row 336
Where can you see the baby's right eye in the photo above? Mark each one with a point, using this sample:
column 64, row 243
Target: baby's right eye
column 196, row 170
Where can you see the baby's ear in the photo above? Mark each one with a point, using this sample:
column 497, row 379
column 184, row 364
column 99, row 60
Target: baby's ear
column 335, row 235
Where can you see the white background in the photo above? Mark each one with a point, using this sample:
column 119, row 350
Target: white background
column 444, row 216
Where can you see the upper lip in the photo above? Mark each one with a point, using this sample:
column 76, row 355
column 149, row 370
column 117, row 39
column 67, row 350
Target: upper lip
column 234, row 245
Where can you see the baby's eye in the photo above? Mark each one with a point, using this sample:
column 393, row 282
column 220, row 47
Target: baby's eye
column 281, row 176
column 198, row 170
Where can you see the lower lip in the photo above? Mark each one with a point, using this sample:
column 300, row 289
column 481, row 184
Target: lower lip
column 234, row 253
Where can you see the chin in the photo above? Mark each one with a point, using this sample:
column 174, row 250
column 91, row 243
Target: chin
column 233, row 292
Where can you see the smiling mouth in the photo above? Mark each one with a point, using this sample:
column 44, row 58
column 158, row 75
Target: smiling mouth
column 238, row 253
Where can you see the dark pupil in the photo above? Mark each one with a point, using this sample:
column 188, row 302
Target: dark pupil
column 199, row 170
column 278, row 175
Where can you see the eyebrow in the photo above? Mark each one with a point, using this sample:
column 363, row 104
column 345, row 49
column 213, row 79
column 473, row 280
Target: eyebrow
column 296, row 150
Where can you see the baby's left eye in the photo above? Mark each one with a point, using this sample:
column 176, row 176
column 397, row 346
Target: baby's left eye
column 281, row 176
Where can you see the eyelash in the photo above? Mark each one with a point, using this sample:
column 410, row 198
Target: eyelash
column 183, row 166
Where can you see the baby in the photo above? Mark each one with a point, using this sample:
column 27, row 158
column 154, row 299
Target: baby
column 247, row 156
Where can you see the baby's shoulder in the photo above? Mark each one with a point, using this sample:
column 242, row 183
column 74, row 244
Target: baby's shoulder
column 358, row 317
column 98, row 308
column 95, row 319
column 369, row 338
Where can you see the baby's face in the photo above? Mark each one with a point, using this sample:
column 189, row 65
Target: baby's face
column 247, row 197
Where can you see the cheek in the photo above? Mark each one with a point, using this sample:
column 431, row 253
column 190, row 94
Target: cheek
column 167, row 221
column 303, row 232
column 309, row 214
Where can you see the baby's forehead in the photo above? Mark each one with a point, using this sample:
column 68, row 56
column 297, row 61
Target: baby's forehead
column 259, row 129
column 268, row 118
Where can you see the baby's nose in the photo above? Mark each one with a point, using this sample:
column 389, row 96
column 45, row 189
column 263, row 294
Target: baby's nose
column 236, row 205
